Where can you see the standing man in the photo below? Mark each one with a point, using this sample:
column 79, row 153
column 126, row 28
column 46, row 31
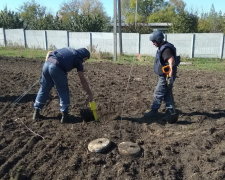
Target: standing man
column 165, row 57
column 54, row 73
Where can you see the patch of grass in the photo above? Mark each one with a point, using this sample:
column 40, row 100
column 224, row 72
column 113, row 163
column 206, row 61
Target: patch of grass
column 208, row 64
column 22, row 52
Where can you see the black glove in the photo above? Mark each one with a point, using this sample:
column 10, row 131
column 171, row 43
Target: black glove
column 170, row 82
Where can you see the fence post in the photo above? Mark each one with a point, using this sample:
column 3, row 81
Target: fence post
column 192, row 46
column 222, row 47
column 139, row 43
column 46, row 40
column 165, row 37
column 68, row 39
column 91, row 48
column 4, row 36
column 25, row 39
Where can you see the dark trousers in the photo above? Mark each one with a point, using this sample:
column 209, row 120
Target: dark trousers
column 162, row 93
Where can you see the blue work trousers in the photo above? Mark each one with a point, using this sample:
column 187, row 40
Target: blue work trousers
column 162, row 93
column 52, row 75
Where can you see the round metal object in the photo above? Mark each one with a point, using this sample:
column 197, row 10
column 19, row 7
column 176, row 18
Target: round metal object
column 129, row 149
column 99, row 145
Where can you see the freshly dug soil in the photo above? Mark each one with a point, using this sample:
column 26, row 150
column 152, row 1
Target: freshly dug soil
column 192, row 148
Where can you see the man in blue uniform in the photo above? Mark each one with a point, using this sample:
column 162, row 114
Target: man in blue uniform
column 54, row 73
column 165, row 56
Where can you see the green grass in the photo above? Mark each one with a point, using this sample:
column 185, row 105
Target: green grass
column 22, row 52
column 208, row 64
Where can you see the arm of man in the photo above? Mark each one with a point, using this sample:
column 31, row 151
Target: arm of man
column 167, row 55
column 171, row 63
column 85, row 85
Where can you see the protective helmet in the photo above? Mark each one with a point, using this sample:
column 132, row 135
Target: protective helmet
column 157, row 36
column 83, row 53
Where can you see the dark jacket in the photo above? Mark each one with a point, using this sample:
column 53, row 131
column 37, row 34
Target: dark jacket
column 69, row 58
column 159, row 61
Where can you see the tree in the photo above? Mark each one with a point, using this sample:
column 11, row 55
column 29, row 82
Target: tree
column 84, row 15
column 140, row 9
column 184, row 22
column 32, row 14
column 162, row 16
column 10, row 19
column 212, row 22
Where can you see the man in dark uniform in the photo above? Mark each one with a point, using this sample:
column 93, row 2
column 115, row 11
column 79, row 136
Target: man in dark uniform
column 166, row 55
column 54, row 73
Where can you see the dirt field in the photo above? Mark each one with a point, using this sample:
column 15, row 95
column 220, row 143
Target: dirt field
column 193, row 148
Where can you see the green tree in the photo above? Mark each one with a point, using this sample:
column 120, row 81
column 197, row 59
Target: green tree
column 213, row 22
column 32, row 14
column 139, row 10
column 162, row 16
column 10, row 19
column 184, row 22
column 84, row 15
column 174, row 12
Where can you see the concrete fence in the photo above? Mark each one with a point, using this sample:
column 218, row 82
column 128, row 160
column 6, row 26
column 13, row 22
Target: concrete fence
column 207, row 45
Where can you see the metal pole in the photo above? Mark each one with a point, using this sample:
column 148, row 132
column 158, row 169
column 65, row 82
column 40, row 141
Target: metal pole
column 136, row 15
column 115, row 31
column 119, row 29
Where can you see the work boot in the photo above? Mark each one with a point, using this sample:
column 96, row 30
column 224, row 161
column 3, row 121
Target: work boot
column 36, row 114
column 170, row 116
column 65, row 117
column 151, row 114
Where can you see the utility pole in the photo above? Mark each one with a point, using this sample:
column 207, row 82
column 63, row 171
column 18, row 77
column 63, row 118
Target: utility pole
column 119, row 29
column 115, row 31
column 135, row 17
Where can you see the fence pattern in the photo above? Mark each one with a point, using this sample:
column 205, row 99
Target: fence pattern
column 207, row 45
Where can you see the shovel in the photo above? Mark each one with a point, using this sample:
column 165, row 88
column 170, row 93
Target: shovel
column 89, row 113
column 93, row 108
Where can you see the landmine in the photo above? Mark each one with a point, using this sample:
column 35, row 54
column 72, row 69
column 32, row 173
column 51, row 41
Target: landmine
column 129, row 149
column 99, row 145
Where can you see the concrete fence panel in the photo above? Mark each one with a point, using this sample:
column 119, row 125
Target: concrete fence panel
column 102, row 42
column 15, row 37
column 2, row 37
column 130, row 43
column 182, row 42
column 147, row 48
column 57, row 39
column 79, row 40
column 35, row 39
column 205, row 45
column 208, row 45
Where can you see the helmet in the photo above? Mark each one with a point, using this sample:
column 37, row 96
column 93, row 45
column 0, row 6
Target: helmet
column 83, row 53
column 157, row 36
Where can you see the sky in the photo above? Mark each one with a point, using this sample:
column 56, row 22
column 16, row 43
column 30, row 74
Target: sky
column 54, row 5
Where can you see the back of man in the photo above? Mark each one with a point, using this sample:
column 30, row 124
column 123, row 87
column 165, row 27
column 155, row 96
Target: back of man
column 70, row 58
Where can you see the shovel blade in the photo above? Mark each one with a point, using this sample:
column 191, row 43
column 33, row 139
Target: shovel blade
column 93, row 108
